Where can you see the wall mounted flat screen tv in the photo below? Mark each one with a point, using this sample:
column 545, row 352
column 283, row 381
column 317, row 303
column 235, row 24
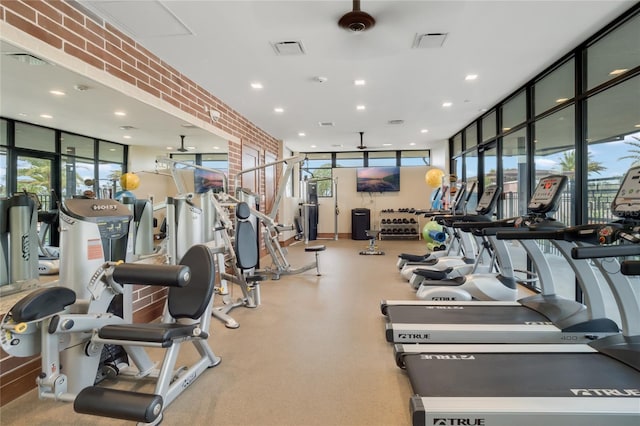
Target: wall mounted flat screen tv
column 378, row 179
column 204, row 180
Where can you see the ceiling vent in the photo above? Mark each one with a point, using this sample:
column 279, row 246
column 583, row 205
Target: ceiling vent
column 429, row 40
column 395, row 122
column 28, row 59
column 288, row 48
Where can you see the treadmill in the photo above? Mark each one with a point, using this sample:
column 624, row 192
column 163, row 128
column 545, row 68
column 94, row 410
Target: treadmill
column 542, row 318
column 526, row 385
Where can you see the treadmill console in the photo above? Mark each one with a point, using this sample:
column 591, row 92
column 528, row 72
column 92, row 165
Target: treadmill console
column 545, row 197
column 627, row 200
column 488, row 201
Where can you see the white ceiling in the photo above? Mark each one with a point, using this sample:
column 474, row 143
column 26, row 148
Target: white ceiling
column 226, row 45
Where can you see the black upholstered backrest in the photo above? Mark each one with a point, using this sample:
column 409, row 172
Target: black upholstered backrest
column 191, row 300
column 246, row 245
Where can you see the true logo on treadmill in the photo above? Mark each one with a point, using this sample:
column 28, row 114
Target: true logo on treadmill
column 456, row 421
column 456, row 357
column 537, row 323
column 424, row 336
column 606, row 392
column 444, row 307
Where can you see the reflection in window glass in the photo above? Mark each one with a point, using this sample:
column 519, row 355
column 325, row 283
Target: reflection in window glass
column 489, row 127
column 3, row 132
column 613, row 135
column 555, row 88
column 614, row 54
column 490, row 166
column 77, row 176
column 555, row 154
column 76, row 145
column 33, row 175
column 514, row 174
column 457, row 145
column 471, row 136
column 113, row 152
column 35, row 138
column 349, row 159
column 514, row 111
column 415, row 158
column 109, row 179
column 4, row 182
column 382, row 158
column 318, row 166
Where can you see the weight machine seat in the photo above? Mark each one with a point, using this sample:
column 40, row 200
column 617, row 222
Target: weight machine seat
column 188, row 302
column 41, row 303
column 315, row 248
column 246, row 244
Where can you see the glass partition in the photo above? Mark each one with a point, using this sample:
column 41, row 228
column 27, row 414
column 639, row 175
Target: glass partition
column 415, row 158
column 35, row 138
column 489, row 127
column 381, row 158
column 555, row 88
column 555, row 154
column 79, row 146
column 471, row 136
column 514, row 174
column 613, row 137
column 614, row 54
column 514, row 111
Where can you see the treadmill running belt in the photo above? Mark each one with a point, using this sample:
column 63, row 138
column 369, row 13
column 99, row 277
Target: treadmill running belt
column 520, row 375
column 457, row 314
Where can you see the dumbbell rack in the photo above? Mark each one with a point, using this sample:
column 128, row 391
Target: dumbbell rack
column 399, row 224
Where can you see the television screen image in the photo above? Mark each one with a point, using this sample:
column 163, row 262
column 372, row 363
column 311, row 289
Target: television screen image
column 204, row 180
column 378, row 179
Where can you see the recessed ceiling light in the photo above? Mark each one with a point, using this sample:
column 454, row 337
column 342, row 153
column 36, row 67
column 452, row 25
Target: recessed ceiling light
column 470, row 77
column 127, row 136
column 619, row 71
column 256, row 85
column 169, row 148
column 313, row 146
column 191, row 147
column 412, row 143
column 560, row 100
column 278, row 110
column 46, row 116
column 386, row 144
column 112, row 149
column 22, row 114
column 637, row 125
column 57, row 92
column 424, row 131
column 302, row 134
column 447, row 104
column 359, row 82
column 506, row 129
column 120, row 113
column 361, row 107
column 216, row 147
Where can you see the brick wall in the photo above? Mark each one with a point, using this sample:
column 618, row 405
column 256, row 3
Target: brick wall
column 66, row 26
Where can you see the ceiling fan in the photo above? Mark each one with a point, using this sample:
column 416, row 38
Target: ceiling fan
column 356, row 20
column 182, row 148
column 362, row 145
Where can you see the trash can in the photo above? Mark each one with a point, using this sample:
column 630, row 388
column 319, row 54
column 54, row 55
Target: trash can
column 360, row 222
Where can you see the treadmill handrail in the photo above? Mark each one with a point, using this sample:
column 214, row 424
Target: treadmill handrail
column 605, row 251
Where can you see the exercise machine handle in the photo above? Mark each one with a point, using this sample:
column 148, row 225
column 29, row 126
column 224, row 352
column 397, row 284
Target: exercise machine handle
column 158, row 275
column 605, row 251
column 529, row 235
column 630, row 267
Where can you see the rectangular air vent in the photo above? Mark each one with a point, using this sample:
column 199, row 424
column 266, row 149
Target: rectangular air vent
column 27, row 58
column 429, row 40
column 288, row 48
column 326, row 124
